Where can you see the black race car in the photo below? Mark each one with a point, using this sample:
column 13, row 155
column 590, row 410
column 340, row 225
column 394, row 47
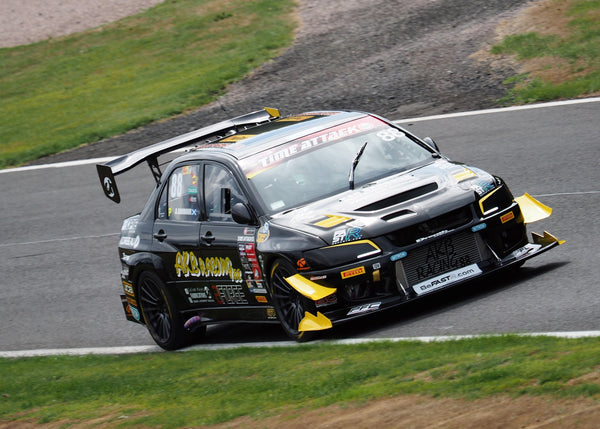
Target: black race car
column 307, row 221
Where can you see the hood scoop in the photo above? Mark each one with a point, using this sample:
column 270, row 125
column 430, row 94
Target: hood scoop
column 399, row 198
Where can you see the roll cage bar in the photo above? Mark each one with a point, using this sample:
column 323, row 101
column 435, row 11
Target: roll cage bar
column 108, row 170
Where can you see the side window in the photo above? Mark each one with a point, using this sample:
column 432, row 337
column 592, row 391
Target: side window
column 221, row 192
column 179, row 200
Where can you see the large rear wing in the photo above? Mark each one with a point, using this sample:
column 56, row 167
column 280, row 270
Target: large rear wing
column 150, row 154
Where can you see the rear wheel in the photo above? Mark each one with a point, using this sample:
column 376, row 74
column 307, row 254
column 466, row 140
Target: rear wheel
column 162, row 319
column 289, row 303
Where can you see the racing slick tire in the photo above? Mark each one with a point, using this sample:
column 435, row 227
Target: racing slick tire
column 162, row 319
column 289, row 304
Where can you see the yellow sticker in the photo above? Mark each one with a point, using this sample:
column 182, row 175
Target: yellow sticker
column 332, row 220
column 464, row 175
column 353, row 272
column 236, row 138
column 508, row 216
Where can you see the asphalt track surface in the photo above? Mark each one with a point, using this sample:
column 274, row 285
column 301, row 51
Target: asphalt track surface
column 60, row 269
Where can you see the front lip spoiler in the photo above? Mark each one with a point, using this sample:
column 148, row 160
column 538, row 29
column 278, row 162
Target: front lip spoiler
column 540, row 244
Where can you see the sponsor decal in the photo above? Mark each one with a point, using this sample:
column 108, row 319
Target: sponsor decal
column 345, row 235
column 301, row 265
column 229, row 294
column 186, row 211
column 328, row 300
column 187, row 264
column 437, row 234
column 262, row 299
column 447, row 279
column 198, row 295
column 131, row 301
column 271, row 313
column 482, row 187
column 128, row 288
column 353, row 272
column 133, row 242
column 441, row 257
column 192, row 190
column 283, row 152
column 263, row 233
column 109, row 187
column 508, row 216
column 130, row 225
column 364, row 308
column 398, row 256
column 135, row 313
column 479, row 227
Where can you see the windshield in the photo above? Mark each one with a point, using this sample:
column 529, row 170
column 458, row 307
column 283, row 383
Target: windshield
column 319, row 165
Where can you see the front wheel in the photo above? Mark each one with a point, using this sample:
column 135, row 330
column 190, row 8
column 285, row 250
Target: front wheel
column 289, row 303
column 162, row 319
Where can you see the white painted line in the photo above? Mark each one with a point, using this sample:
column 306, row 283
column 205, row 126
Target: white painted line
column 560, row 194
column 58, row 165
column 54, row 240
column 155, row 349
column 502, row 110
column 425, row 118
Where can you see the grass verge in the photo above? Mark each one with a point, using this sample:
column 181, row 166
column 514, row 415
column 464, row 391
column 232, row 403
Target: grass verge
column 218, row 386
column 561, row 59
column 61, row 93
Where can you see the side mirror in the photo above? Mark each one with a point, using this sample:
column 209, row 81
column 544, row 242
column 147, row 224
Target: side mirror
column 431, row 143
column 241, row 214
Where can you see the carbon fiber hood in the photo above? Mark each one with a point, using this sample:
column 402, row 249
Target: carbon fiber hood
column 390, row 204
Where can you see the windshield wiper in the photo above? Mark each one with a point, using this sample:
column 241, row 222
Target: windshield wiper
column 354, row 164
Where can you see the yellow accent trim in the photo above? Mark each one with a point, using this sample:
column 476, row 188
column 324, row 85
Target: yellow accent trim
column 332, row 220
column 273, row 112
column 547, row 238
column 310, row 322
column 532, row 209
column 485, row 198
column 308, row 288
column 236, row 138
column 464, row 175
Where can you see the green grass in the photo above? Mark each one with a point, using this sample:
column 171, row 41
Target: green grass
column 218, row 386
column 61, row 93
column 574, row 56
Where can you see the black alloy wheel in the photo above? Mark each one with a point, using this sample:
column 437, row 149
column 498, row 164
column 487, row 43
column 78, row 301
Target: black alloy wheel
column 289, row 303
column 162, row 319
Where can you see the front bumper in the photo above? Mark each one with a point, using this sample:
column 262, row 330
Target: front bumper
column 437, row 264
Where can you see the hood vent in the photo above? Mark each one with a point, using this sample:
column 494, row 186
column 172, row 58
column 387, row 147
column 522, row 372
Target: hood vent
column 399, row 198
column 396, row 215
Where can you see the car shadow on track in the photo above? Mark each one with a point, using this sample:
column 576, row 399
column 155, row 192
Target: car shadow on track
column 368, row 326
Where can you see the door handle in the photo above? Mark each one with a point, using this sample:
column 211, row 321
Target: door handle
column 208, row 237
column 160, row 235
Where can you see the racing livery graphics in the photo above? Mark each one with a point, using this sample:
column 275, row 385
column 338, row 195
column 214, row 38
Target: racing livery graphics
column 308, row 221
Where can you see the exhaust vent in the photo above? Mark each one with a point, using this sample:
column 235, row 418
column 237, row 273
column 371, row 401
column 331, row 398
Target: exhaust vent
column 399, row 198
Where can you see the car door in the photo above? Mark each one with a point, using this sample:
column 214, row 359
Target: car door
column 176, row 233
column 228, row 248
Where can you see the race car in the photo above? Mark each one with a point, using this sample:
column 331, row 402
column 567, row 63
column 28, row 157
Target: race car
column 308, row 221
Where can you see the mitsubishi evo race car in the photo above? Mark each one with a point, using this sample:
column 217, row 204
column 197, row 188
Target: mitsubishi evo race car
column 307, row 221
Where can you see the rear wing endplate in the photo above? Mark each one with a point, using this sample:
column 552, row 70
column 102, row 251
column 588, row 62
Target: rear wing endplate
column 108, row 170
